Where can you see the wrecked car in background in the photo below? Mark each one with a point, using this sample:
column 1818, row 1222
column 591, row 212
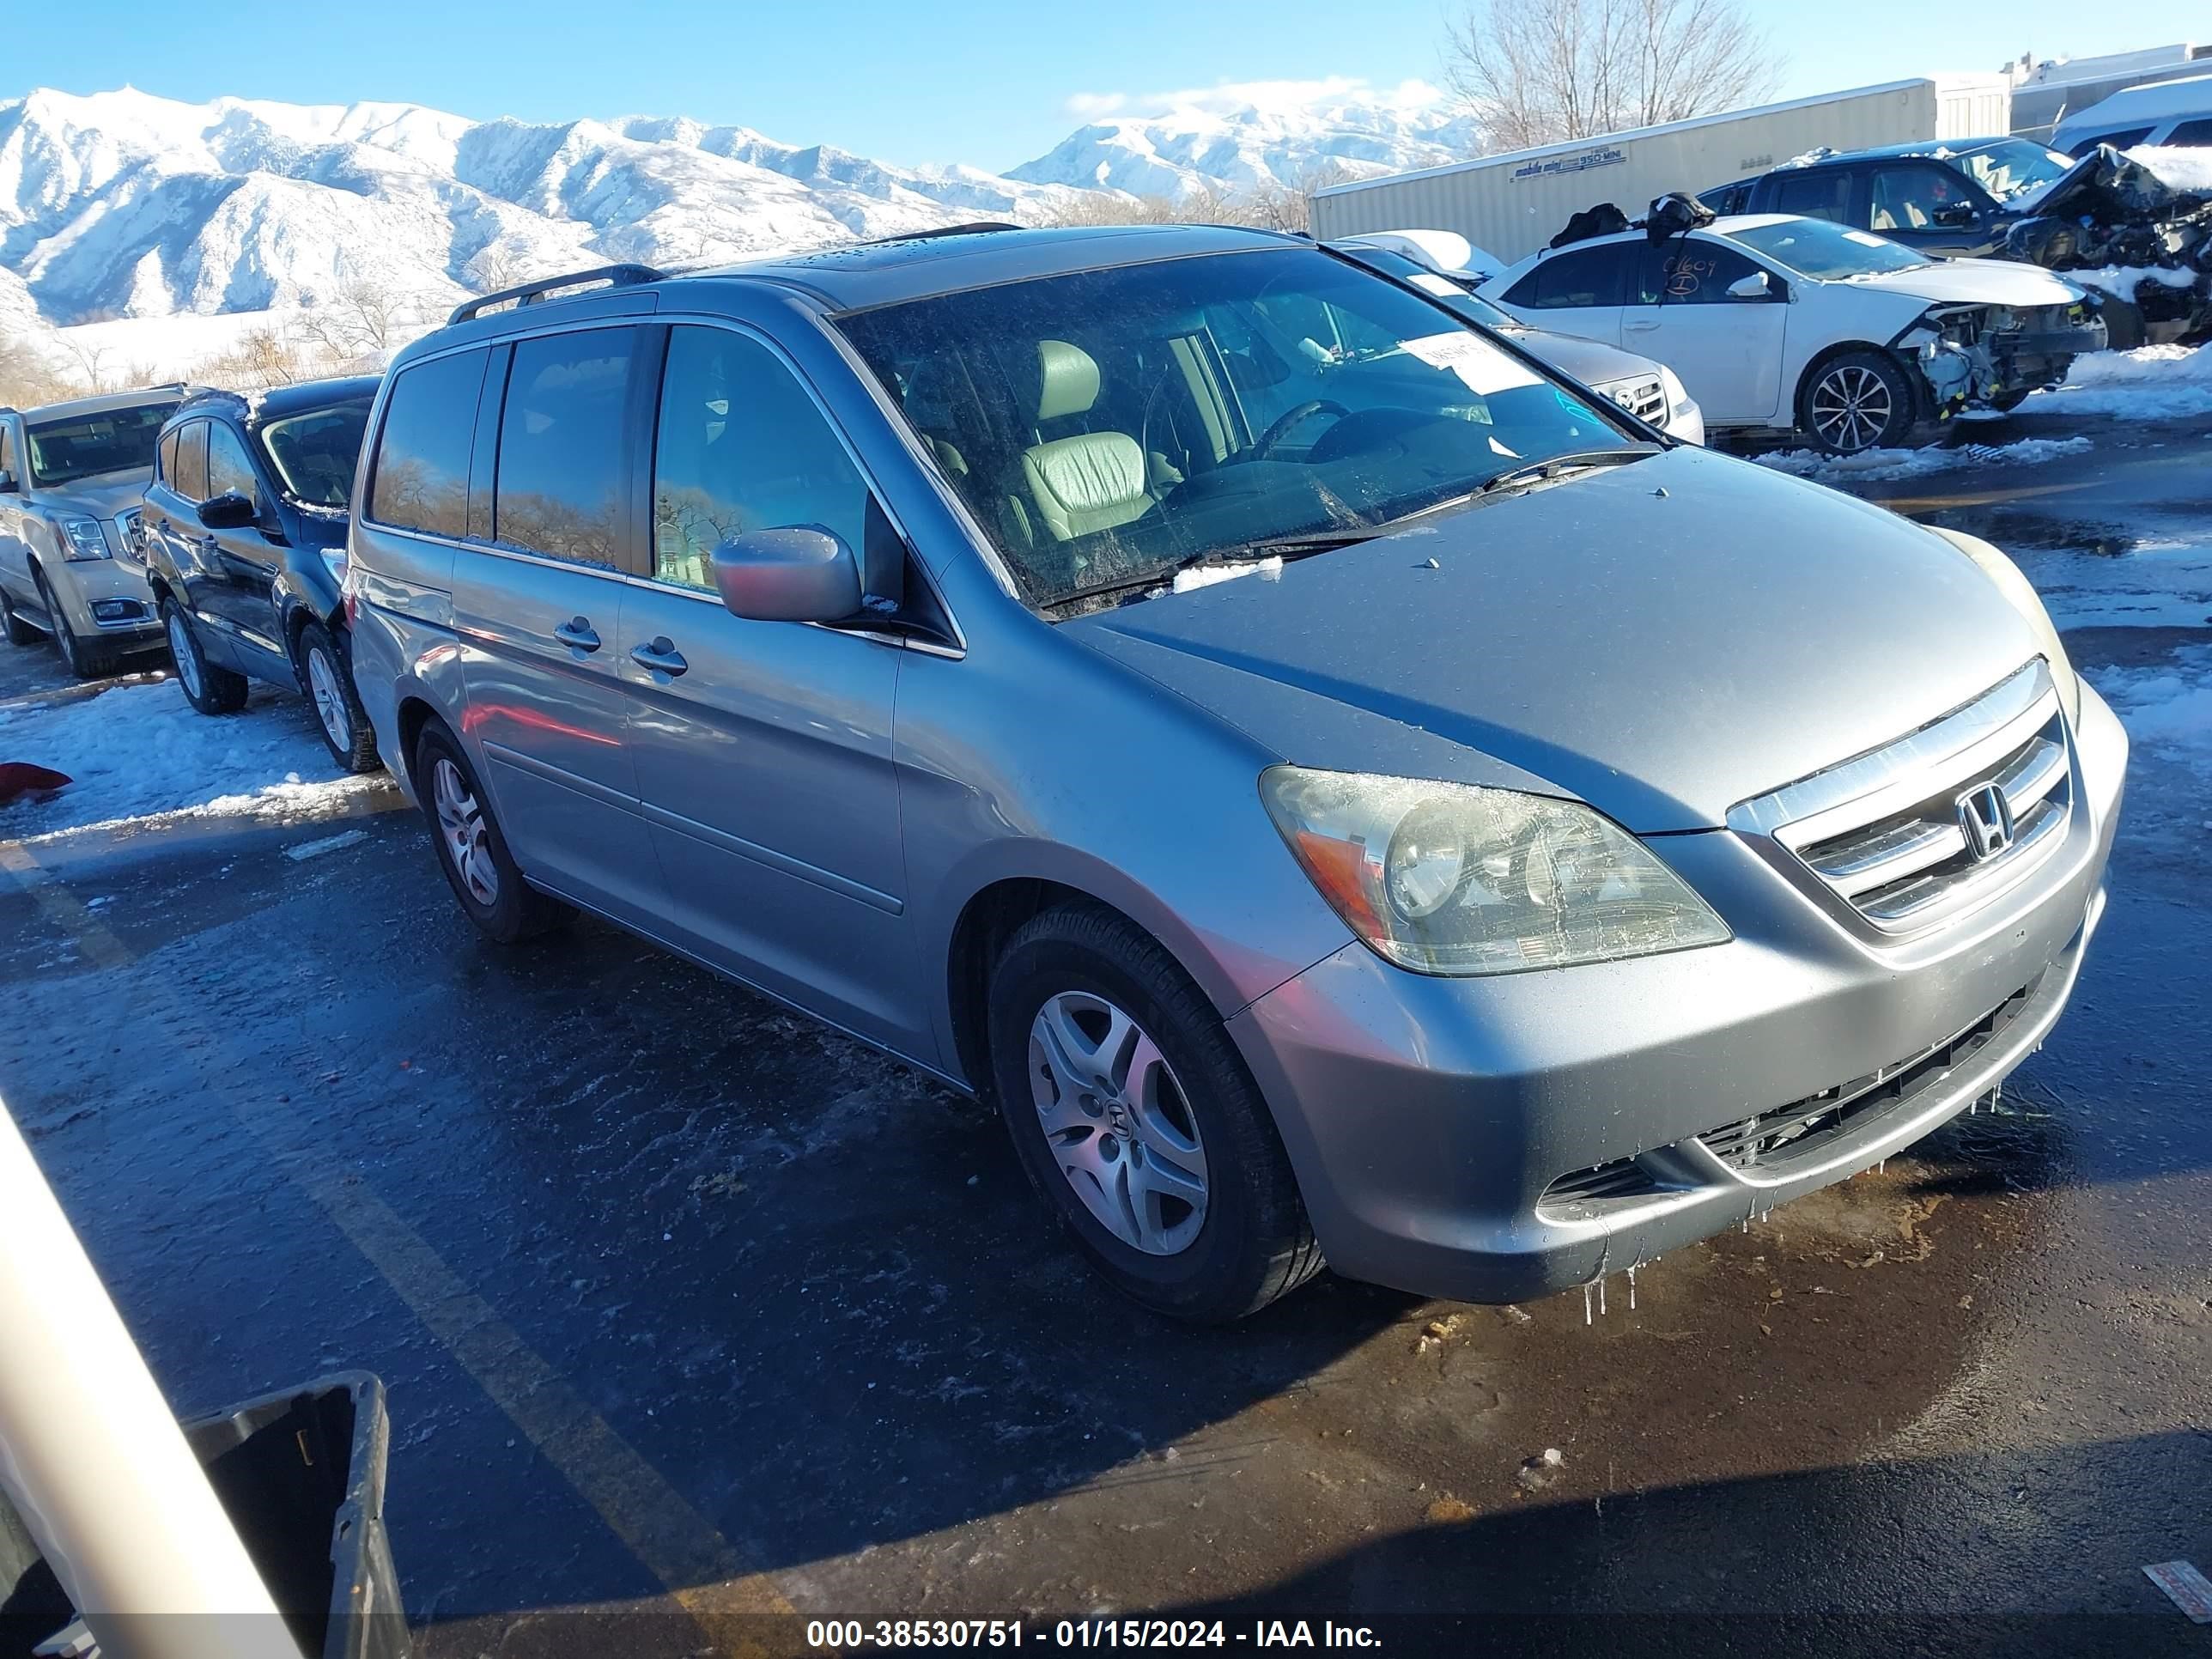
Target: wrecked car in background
column 1777, row 322
column 2108, row 220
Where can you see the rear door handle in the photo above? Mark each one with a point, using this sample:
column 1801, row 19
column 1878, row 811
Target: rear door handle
column 577, row 633
column 661, row 656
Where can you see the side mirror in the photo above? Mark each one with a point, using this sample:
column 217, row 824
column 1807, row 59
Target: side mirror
column 801, row 574
column 1756, row 286
column 1958, row 216
column 228, row 511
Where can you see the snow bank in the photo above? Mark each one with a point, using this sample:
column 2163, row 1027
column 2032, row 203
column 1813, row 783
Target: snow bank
column 2167, row 710
column 1883, row 466
column 2151, row 383
column 140, row 753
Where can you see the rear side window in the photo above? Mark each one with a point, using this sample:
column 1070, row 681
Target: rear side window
column 560, row 481
column 1583, row 277
column 2189, row 134
column 191, row 478
column 229, row 473
column 1815, row 195
column 421, row 477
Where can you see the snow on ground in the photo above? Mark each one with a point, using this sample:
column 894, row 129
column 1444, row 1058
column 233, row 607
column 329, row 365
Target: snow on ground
column 2160, row 582
column 2151, row 383
column 1883, row 465
column 2166, row 709
column 140, row 754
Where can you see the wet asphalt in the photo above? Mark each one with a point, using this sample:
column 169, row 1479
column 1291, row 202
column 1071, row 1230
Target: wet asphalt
column 689, row 1312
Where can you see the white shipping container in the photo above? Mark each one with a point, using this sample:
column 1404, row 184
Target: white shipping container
column 1514, row 204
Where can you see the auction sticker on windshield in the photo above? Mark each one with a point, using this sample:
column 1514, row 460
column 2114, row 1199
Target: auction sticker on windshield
column 1486, row 369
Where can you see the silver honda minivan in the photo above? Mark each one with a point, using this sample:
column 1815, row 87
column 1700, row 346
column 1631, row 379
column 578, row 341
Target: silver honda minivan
column 1346, row 793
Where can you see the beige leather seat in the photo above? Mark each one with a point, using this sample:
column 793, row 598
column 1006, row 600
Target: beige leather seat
column 1091, row 481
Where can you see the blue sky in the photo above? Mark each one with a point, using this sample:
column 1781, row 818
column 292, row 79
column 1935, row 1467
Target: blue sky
column 987, row 82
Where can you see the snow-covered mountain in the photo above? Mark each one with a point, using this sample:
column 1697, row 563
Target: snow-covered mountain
column 1241, row 139
column 121, row 205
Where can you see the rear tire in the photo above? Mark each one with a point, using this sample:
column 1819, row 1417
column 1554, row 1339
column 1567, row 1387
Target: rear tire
column 87, row 662
column 1192, row 1127
column 19, row 631
column 472, row 851
column 1856, row 401
column 327, row 668
column 208, row 688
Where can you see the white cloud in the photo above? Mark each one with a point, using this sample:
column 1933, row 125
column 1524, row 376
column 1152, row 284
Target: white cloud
column 1230, row 95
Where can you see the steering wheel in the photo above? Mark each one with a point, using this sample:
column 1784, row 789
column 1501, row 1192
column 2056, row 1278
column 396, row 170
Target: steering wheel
column 1284, row 425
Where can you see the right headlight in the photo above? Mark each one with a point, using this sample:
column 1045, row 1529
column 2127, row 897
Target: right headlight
column 82, row 540
column 1451, row 879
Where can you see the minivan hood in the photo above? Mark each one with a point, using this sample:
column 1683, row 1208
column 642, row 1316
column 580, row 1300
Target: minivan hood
column 1976, row 281
column 1662, row 640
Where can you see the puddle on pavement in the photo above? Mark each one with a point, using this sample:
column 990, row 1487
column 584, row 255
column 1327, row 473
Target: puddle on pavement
column 2014, row 529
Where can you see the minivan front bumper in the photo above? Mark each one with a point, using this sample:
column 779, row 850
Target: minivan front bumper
column 1496, row 1138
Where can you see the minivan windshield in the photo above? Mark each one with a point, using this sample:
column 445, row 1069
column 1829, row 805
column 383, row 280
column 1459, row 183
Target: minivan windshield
column 87, row 445
column 1821, row 248
column 314, row 453
column 1112, row 425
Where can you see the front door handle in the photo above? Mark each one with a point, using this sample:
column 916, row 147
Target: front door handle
column 661, row 656
column 1639, row 328
column 576, row 632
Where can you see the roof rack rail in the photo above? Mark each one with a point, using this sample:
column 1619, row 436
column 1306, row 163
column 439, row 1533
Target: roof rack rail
column 530, row 293
column 973, row 228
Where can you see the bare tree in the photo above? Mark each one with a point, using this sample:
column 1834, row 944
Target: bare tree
column 362, row 321
column 30, row 376
column 1541, row 71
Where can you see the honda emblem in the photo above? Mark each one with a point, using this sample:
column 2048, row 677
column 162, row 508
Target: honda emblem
column 1985, row 820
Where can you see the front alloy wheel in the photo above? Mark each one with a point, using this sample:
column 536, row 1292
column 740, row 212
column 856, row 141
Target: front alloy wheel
column 1118, row 1123
column 1857, row 402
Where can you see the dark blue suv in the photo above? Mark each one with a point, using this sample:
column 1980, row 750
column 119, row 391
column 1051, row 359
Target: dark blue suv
column 244, row 537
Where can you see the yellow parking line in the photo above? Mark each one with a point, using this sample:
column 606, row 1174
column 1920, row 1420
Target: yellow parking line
column 726, row 1593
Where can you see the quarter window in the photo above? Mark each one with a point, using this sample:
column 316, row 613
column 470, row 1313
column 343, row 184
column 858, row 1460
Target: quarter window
column 191, row 478
column 559, row 490
column 168, row 459
column 1579, row 277
column 742, row 447
column 7, row 452
column 228, row 471
column 421, row 480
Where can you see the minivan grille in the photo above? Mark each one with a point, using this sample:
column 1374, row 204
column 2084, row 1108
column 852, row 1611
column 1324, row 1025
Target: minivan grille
column 1932, row 822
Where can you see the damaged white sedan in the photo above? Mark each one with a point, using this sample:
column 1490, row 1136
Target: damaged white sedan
column 1774, row 322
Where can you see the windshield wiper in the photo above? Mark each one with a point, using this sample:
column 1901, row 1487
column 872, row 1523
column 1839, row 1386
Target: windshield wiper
column 1556, row 466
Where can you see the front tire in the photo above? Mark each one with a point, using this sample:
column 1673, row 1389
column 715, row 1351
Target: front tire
column 87, row 662
column 209, row 688
column 326, row 668
column 472, row 851
column 1135, row 1117
column 1856, row 401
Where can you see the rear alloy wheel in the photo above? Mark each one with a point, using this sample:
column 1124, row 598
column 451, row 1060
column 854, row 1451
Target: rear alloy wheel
column 338, row 712
column 1136, row 1119
column 209, row 688
column 1859, row 400
column 471, row 850
column 19, row 631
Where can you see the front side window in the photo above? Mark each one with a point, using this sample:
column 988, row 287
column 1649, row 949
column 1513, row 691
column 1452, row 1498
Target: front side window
column 229, row 473
column 314, row 453
column 1106, row 427
column 191, row 478
column 90, row 445
column 559, row 488
column 741, row 446
column 1918, row 197
column 421, row 479
column 1691, row 270
column 1578, row 278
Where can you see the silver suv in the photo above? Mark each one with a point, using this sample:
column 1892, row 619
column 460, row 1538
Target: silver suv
column 71, row 475
column 1374, row 802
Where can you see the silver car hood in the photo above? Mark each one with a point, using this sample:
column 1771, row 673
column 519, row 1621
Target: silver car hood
column 1662, row 640
column 101, row 496
column 1591, row 361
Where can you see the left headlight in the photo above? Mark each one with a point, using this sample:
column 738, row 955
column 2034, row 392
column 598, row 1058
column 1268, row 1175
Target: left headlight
column 1451, row 879
column 81, row 539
